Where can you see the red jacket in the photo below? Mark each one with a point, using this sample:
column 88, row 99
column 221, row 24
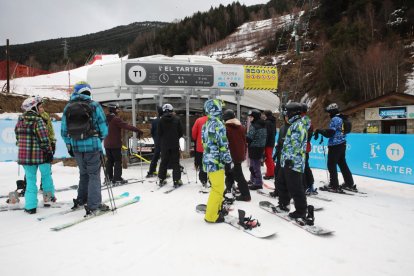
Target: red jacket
column 236, row 135
column 196, row 132
column 115, row 124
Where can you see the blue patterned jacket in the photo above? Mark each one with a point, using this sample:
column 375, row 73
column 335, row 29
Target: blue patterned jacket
column 294, row 147
column 339, row 136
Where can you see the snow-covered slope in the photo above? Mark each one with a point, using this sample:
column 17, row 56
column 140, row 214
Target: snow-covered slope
column 163, row 235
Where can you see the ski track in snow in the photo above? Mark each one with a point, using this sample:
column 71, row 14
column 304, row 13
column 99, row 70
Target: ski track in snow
column 163, row 235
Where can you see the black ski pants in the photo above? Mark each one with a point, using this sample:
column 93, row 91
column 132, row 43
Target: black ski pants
column 114, row 164
column 198, row 162
column 170, row 157
column 308, row 175
column 290, row 186
column 336, row 156
column 236, row 174
column 154, row 160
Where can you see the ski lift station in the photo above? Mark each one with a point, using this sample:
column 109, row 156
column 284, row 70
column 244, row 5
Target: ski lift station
column 186, row 82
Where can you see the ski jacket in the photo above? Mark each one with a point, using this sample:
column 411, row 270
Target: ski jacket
column 115, row 125
column 196, row 132
column 215, row 144
column 169, row 132
column 281, row 140
column 339, row 136
column 236, row 135
column 90, row 144
column 46, row 118
column 32, row 139
column 256, row 138
column 294, row 147
column 154, row 131
column 271, row 131
column 308, row 124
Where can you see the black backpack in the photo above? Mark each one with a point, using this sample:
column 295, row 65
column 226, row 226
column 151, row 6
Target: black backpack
column 79, row 120
column 346, row 124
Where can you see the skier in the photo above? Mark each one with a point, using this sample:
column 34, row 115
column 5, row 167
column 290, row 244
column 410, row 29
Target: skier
column 308, row 180
column 35, row 152
column 113, row 143
column 157, row 148
column 270, row 144
column 198, row 157
column 256, row 139
column 336, row 151
column 169, row 132
column 83, row 129
column 216, row 155
column 292, row 163
column 236, row 135
column 279, row 147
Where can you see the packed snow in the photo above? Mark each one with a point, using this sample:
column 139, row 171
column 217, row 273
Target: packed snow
column 163, row 235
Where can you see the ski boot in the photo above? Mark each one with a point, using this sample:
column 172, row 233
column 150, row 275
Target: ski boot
column 274, row 194
column 281, row 208
column 119, row 182
column 150, row 175
column 101, row 208
column 352, row 188
column 77, row 204
column 13, row 198
column 30, row 211
column 311, row 191
column 310, row 218
column 48, row 199
column 161, row 182
column 178, row 183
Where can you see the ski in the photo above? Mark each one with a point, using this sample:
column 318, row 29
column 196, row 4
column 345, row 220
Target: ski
column 18, row 207
column 67, row 211
column 340, row 192
column 313, row 229
column 129, row 181
column 73, row 187
column 173, row 189
column 158, row 187
column 261, row 192
column 80, row 220
column 256, row 231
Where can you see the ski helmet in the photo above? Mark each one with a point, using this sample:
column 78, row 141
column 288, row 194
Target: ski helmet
column 167, row 108
column 332, row 107
column 293, row 108
column 304, row 108
column 82, row 87
column 256, row 114
column 113, row 107
column 32, row 103
column 228, row 114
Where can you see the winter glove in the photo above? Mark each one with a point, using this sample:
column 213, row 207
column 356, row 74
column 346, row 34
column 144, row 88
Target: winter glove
column 70, row 150
column 53, row 145
column 289, row 164
column 316, row 134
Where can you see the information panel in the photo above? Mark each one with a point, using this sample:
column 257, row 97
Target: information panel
column 260, row 77
column 146, row 74
column 229, row 76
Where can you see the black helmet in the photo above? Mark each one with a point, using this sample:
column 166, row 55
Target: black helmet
column 332, row 109
column 304, row 108
column 293, row 108
column 228, row 114
column 256, row 114
column 113, row 107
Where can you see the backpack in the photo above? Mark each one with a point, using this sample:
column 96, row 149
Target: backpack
column 79, row 120
column 346, row 124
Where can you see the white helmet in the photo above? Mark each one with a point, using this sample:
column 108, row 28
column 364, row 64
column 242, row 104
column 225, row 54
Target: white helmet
column 31, row 103
column 167, row 108
column 331, row 107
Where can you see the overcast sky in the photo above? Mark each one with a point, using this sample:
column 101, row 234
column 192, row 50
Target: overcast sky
column 24, row 21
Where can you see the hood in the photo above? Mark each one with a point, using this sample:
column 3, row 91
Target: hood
column 29, row 118
column 233, row 123
column 82, row 97
column 213, row 108
column 168, row 116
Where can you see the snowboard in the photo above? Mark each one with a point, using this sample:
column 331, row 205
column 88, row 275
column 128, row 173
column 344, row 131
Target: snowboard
column 263, row 193
column 258, row 232
column 80, row 220
column 67, row 211
column 313, row 229
column 345, row 189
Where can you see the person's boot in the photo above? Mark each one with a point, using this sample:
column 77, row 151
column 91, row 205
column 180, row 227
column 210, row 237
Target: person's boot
column 178, row 183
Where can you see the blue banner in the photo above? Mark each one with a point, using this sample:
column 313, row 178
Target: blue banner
column 8, row 148
column 384, row 156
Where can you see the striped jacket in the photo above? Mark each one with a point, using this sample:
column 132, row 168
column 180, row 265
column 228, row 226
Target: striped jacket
column 91, row 144
column 32, row 139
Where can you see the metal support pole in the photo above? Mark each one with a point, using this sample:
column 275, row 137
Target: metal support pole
column 134, row 119
column 187, row 121
column 238, row 98
column 7, row 66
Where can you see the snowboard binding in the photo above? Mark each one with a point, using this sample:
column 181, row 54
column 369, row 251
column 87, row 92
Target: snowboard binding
column 247, row 223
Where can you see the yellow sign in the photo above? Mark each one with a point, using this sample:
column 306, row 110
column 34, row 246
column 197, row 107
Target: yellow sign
column 260, row 77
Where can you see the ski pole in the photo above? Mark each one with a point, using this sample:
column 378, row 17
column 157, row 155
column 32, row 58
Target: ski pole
column 109, row 187
column 326, row 162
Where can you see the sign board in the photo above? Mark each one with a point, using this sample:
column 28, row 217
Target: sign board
column 384, row 156
column 389, row 113
column 228, row 76
column 260, row 77
column 149, row 74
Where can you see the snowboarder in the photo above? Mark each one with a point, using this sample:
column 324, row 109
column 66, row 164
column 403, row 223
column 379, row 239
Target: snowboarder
column 216, row 155
column 198, row 157
column 256, row 139
column 169, row 132
column 308, row 175
column 83, row 129
column 336, row 150
column 236, row 135
column 35, row 152
column 157, row 147
column 270, row 144
column 113, row 143
column 292, row 164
